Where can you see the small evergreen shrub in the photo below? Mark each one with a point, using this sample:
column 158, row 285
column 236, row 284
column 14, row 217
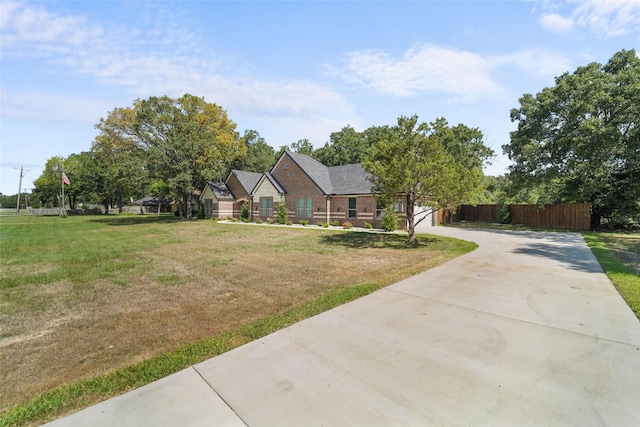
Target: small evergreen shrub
column 335, row 223
column 282, row 214
column 504, row 215
column 244, row 212
column 324, row 224
column 390, row 220
column 368, row 225
column 304, row 222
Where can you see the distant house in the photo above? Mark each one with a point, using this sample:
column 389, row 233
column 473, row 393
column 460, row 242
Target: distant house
column 312, row 192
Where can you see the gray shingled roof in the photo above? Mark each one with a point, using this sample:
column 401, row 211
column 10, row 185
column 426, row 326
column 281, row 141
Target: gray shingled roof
column 220, row 190
column 347, row 179
column 248, row 180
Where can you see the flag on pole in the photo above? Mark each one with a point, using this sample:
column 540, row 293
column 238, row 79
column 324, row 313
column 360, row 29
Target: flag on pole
column 65, row 179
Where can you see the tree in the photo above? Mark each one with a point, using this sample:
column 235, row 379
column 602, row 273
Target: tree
column 345, row 147
column 580, row 139
column 260, row 156
column 302, row 146
column 48, row 186
column 414, row 161
column 187, row 142
column 120, row 159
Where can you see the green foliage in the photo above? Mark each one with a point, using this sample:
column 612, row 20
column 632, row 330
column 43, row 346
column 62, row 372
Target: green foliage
column 260, row 156
column 433, row 165
column 390, row 219
column 368, row 225
column 282, row 213
column 347, row 225
column 304, row 222
column 580, row 140
column 345, row 147
column 244, row 212
column 335, row 223
column 324, row 224
column 504, row 215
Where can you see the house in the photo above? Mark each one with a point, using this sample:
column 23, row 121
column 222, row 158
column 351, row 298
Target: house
column 311, row 191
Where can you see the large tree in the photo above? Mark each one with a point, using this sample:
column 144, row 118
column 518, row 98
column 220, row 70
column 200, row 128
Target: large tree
column 187, row 141
column 119, row 151
column 431, row 165
column 580, row 139
column 260, row 156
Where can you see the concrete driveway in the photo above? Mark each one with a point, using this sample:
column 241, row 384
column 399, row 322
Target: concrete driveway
column 524, row 331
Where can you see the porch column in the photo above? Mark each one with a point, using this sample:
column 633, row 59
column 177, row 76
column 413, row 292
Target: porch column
column 328, row 208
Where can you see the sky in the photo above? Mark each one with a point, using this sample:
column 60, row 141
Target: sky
column 288, row 69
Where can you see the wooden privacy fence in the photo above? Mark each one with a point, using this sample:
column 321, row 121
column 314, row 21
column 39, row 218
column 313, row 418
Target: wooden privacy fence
column 574, row 216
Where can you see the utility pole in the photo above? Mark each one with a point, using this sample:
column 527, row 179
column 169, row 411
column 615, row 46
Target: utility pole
column 20, row 188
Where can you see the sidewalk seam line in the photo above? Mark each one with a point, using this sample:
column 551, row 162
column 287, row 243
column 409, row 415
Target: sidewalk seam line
column 218, row 394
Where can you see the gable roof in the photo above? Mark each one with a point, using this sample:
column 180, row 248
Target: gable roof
column 343, row 180
column 248, row 180
column 220, row 190
column 272, row 179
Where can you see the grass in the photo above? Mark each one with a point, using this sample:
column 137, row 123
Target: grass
column 619, row 256
column 91, row 307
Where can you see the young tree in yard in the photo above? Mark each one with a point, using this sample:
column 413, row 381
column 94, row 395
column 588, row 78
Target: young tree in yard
column 48, row 185
column 580, row 139
column 423, row 164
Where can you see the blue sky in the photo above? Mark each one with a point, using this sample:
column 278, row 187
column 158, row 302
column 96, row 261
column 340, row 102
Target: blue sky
column 290, row 70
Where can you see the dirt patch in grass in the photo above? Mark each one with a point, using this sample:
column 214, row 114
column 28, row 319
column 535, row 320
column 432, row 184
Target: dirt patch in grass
column 153, row 286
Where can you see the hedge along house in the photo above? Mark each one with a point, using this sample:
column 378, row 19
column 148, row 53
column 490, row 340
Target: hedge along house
column 312, row 192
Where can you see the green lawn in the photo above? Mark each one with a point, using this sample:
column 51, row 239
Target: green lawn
column 619, row 256
column 91, row 307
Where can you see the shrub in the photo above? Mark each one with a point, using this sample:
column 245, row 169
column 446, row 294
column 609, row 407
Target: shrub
column 324, row 224
column 304, row 222
column 368, row 225
column 244, row 212
column 347, row 225
column 259, row 221
column 246, row 220
column 335, row 223
column 282, row 214
column 271, row 221
column 504, row 215
column 390, row 220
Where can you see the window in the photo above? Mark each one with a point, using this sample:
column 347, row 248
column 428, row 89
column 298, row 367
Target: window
column 208, row 207
column 266, row 206
column 305, row 207
column 398, row 207
column 379, row 209
column 353, row 211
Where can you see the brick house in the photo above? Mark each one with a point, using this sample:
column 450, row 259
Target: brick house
column 311, row 191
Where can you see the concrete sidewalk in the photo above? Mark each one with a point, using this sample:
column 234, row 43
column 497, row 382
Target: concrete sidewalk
column 525, row 331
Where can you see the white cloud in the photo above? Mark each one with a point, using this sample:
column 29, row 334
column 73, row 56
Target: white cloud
column 422, row 69
column 609, row 18
column 606, row 19
column 50, row 107
column 557, row 24
column 162, row 59
column 430, row 69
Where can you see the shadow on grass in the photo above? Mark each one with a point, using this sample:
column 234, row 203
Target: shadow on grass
column 356, row 240
column 135, row 219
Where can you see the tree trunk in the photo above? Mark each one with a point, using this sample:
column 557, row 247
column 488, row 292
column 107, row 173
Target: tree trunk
column 411, row 220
